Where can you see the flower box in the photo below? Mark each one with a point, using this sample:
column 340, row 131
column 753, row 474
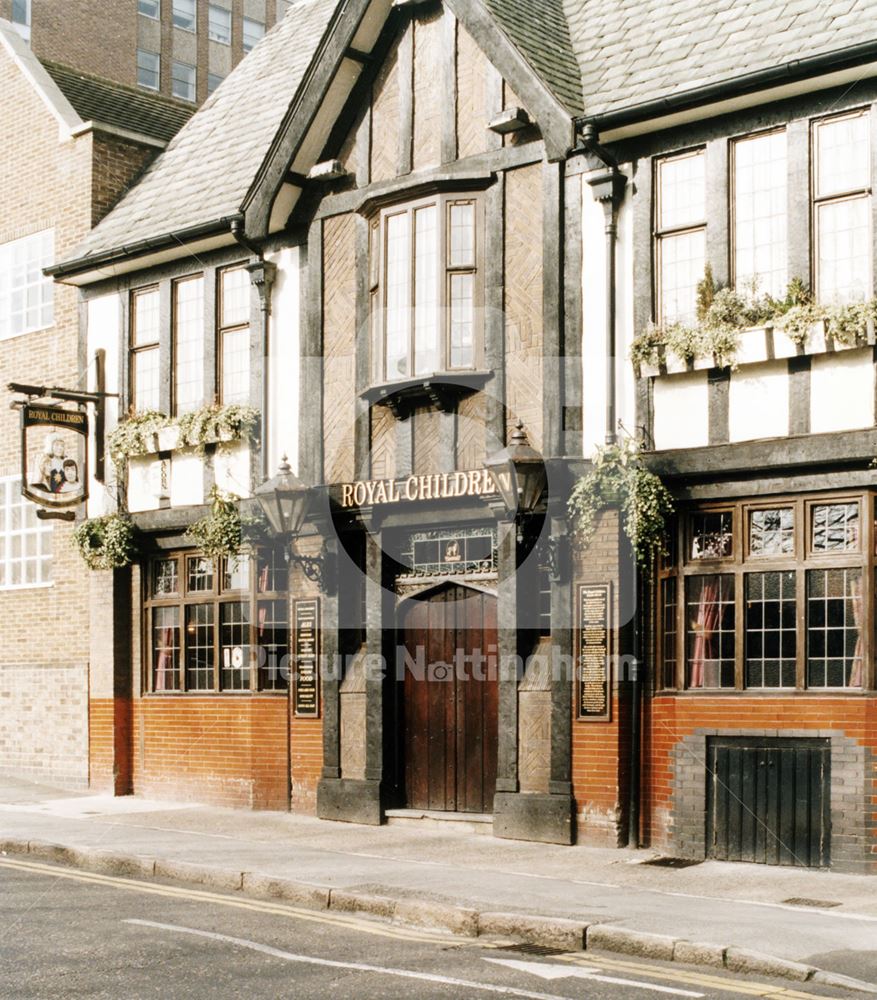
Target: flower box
column 754, row 345
column 168, row 438
column 676, row 366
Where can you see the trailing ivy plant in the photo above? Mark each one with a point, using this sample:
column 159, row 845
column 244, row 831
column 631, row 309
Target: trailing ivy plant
column 106, row 542
column 618, row 477
column 223, row 531
column 216, row 422
column 846, row 324
column 131, row 436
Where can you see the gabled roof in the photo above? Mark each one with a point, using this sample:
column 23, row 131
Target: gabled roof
column 123, row 107
column 633, row 51
column 207, row 169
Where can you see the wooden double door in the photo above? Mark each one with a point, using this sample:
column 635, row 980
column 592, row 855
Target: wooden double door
column 450, row 700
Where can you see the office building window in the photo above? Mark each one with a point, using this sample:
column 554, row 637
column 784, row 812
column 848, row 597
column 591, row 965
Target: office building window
column 183, row 81
column 145, row 371
column 842, row 207
column 680, row 235
column 148, row 69
column 188, row 344
column 219, row 24
column 25, row 540
column 760, row 210
column 27, row 296
column 253, row 32
column 149, row 8
column 213, row 81
column 21, row 18
column 234, row 335
column 184, row 14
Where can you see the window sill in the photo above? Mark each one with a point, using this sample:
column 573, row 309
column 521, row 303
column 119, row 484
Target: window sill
column 763, row 693
column 442, row 391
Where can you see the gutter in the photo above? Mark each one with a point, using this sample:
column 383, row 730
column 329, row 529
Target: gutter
column 796, row 70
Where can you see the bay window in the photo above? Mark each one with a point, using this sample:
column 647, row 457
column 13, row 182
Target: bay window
column 145, row 368
column 769, row 595
column 217, row 626
column 680, row 234
column 425, row 287
column 842, row 207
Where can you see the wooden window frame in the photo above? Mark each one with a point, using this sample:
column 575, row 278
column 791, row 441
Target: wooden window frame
column 175, row 284
column 216, row 597
column 742, row 562
column 377, row 282
column 134, row 348
column 221, row 330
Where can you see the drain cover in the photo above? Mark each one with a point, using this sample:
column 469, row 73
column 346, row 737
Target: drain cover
column 531, row 949
column 820, row 904
column 672, row 863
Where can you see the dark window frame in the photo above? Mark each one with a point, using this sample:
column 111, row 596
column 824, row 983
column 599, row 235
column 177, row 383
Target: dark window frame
column 221, row 330
column 175, row 285
column 134, row 349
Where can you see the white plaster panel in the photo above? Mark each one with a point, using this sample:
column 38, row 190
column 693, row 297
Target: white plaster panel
column 231, row 468
column 103, row 331
column 681, row 411
column 842, row 391
column 758, row 402
column 281, row 425
column 187, row 478
column 144, row 484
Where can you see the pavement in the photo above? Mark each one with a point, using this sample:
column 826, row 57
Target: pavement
column 797, row 923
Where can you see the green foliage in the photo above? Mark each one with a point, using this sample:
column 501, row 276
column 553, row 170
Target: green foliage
column 647, row 348
column 225, row 529
column 215, row 422
column 686, row 342
column 846, row 324
column 619, row 478
column 131, row 436
column 797, row 321
column 106, row 542
column 706, row 293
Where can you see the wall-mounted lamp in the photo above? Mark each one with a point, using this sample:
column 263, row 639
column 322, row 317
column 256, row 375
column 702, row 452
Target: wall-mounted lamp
column 519, row 473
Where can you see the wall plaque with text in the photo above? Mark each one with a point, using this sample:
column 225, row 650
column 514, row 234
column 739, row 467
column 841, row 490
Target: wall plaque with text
column 593, row 677
column 306, row 656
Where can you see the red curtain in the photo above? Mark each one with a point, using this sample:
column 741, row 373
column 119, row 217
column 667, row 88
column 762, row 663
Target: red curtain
column 705, row 645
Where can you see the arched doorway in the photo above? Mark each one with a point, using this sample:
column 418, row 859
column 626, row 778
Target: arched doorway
column 450, row 699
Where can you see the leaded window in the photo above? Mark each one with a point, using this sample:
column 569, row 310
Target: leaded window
column 680, row 234
column 145, row 363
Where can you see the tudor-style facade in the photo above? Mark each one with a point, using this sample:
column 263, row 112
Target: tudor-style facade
column 439, row 249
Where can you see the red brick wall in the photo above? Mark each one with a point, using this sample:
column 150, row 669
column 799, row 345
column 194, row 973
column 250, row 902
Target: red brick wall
column 115, row 167
column 306, row 753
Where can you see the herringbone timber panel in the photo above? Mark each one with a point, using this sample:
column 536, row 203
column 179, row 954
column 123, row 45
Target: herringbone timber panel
column 383, row 443
column 471, row 432
column 385, row 118
column 523, row 299
column 339, row 333
column 472, row 114
column 534, row 736
column 429, row 428
column 427, row 92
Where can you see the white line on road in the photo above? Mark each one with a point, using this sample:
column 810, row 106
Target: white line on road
column 547, row 971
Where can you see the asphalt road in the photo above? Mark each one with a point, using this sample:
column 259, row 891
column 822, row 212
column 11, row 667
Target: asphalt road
column 70, row 934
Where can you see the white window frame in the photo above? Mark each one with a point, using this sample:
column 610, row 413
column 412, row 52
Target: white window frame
column 23, row 27
column 187, row 22
column 155, row 4
column 10, row 498
column 225, row 37
column 249, row 43
column 193, row 82
column 28, row 256
column 157, row 58
column 214, row 80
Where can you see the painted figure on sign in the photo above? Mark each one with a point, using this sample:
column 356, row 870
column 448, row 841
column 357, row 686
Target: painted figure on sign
column 54, row 472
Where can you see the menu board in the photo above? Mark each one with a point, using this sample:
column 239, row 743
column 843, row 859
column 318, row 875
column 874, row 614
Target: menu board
column 593, row 679
column 306, row 656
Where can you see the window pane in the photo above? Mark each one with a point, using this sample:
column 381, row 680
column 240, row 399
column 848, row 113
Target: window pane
column 199, row 647
column 462, row 236
column 189, row 344
column 772, row 532
column 236, row 366
column 20, row 12
column 253, row 32
column 681, row 191
column 146, row 323
column 165, row 579
column 183, row 81
column 199, row 572
column 219, row 24
column 25, row 540
column 462, row 320
column 835, row 614
column 234, row 642
column 147, row 380
column 842, row 155
column 843, row 250
column 711, row 535
column 236, row 573
column 669, row 605
column 184, row 14
column 398, row 305
column 272, row 638
column 149, row 8
column 682, row 261
column 26, row 296
column 166, row 649
column 760, row 213
column 235, row 297
column 148, row 69
column 710, row 631
column 213, row 81
column 771, row 630
column 273, row 570
column 427, row 354
column 835, row 527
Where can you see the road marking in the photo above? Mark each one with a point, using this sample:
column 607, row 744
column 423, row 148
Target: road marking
column 548, row 971
column 255, row 905
column 286, row 956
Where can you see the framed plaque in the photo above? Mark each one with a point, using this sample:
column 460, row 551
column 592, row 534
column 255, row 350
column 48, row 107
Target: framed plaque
column 306, row 657
column 593, row 648
column 54, row 455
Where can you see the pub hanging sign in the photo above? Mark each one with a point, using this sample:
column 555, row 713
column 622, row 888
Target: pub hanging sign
column 54, row 455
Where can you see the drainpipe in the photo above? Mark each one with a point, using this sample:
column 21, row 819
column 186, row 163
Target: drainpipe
column 609, row 187
column 262, row 273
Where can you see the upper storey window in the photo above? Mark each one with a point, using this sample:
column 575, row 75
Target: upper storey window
column 145, row 370
column 26, row 295
column 680, row 243
column 188, row 344
column 760, row 213
column 425, row 287
column 184, row 14
column 842, row 207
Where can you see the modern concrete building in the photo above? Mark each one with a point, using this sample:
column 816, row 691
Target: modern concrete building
column 446, row 233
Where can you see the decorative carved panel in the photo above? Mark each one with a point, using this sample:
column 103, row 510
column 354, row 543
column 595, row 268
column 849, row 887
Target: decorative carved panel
column 472, row 111
column 428, row 96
